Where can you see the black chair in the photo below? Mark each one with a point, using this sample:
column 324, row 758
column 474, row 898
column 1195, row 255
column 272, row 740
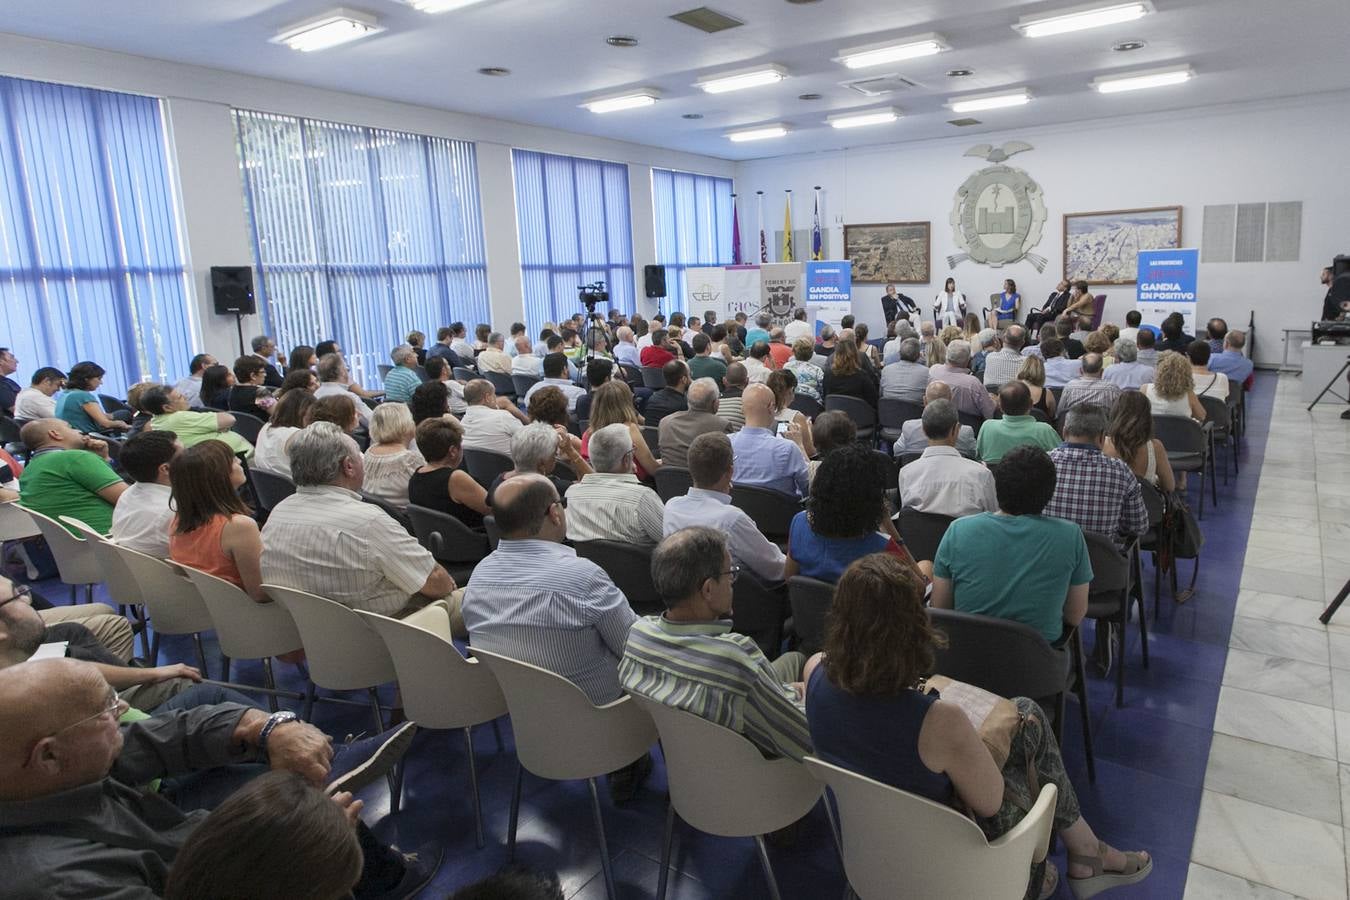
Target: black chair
column 1155, row 504
column 1112, row 592
column 631, row 374
column 652, row 435
column 807, row 406
column 892, row 414
column 394, row 512
column 453, row 544
column 9, row 432
column 384, row 371
column 906, row 458
column 653, row 377
column 494, row 534
column 247, row 426
column 1219, row 417
column 112, row 405
column 1036, row 413
column 1057, row 392
column 862, row 413
column 772, row 511
column 629, row 566
column 270, row 487
column 922, row 531
column 1014, row 660
column 563, row 472
column 486, row 465
column 1190, row 448
column 504, row 385
column 758, row 611
column 810, row 600
column 422, row 373
column 672, row 481
column 463, row 373
column 974, row 420
column 523, row 383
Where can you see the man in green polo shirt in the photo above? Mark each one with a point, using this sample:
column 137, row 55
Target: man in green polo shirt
column 704, row 364
column 68, row 475
column 1016, row 428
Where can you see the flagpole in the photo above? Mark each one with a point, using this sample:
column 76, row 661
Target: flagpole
column 788, row 254
column 817, row 245
column 735, row 232
column 763, row 245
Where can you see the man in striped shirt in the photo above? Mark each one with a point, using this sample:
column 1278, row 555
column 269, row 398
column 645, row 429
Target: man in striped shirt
column 689, row 659
column 611, row 504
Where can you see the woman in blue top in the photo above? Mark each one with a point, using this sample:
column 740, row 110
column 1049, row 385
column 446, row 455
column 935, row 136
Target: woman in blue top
column 1009, row 302
column 80, row 407
column 867, row 713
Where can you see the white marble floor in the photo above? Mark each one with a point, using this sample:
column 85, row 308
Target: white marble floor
column 1275, row 815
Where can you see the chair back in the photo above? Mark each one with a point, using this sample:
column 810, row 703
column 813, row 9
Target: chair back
column 523, row 383
column 672, row 481
column 859, row 410
column 651, row 435
column 1038, row 414
column 1111, row 576
column 905, row 459
column 631, row 374
column 117, row 578
column 1154, row 502
column 1002, row 656
column 440, row 688
column 758, row 612
column 342, row 651
column 563, row 472
column 974, row 420
column 112, row 405
column 810, row 600
column 174, row 605
column 1217, row 414
column 721, row 784
column 892, row 840
column 75, row 560
column 247, row 426
column 1183, row 439
column 245, row 628
column 486, row 465
column 9, row 431
column 922, row 531
column 806, row 405
column 629, row 566
column 1098, row 307
column 892, row 413
column 494, row 534
column 502, row 384
column 463, row 373
column 422, row 373
column 15, row 522
column 653, row 377
column 270, row 487
column 384, row 371
column 449, row 540
column 772, row 511
column 558, row 733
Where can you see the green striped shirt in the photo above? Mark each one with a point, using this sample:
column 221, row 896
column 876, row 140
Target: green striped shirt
column 705, row 669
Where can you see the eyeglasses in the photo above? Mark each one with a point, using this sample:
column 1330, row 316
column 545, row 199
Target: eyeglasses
column 22, row 592
column 115, row 706
column 734, row 572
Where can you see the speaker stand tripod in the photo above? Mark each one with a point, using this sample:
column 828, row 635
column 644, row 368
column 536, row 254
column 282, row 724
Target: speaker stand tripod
column 239, row 326
column 1330, row 611
column 1332, row 383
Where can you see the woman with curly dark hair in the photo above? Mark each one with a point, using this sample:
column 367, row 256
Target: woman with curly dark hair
column 430, row 400
column 846, row 517
column 549, row 405
column 868, row 712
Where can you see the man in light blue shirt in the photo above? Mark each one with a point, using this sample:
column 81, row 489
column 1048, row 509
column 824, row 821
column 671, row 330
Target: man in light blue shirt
column 1127, row 373
column 760, row 332
column 1059, row 369
column 1232, row 361
column 555, row 370
column 402, row 379
column 762, row 458
column 626, row 350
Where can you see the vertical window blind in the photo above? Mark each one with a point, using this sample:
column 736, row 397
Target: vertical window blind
column 575, row 228
column 91, row 259
column 361, row 235
column 693, row 228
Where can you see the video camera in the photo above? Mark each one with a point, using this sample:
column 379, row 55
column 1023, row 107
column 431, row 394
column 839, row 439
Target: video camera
column 591, row 294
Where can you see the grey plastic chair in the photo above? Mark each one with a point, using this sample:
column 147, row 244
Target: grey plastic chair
column 1219, row 417
column 270, row 487
column 810, row 601
column 772, row 511
column 523, row 383
column 75, row 560
column 486, row 465
column 503, row 384
column 652, row 436
column 758, row 611
column 672, row 481
column 807, row 406
column 629, row 566
column 1190, row 448
column 247, row 426
column 454, row 545
column 1112, row 592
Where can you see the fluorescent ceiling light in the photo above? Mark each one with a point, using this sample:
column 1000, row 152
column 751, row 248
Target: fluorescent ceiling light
column 858, row 119
column 990, row 101
column 758, row 134
column 631, row 100
column 1114, row 84
column 735, row 81
column 880, row 54
column 1080, row 19
column 439, row 6
column 337, row 26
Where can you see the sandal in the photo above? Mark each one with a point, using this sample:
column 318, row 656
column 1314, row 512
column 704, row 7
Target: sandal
column 1136, row 869
column 1050, row 882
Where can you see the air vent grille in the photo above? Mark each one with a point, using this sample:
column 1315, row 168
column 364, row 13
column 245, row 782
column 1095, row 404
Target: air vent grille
column 705, row 19
column 963, row 123
column 880, row 85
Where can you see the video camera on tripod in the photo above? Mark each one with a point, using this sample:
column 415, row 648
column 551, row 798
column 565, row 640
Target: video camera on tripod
column 591, row 294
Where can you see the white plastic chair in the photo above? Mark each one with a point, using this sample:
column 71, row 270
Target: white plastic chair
column 75, row 560
column 16, row 523
column 121, row 584
column 720, row 783
column 900, row 844
column 245, row 628
column 440, row 688
column 561, row 736
column 171, row 602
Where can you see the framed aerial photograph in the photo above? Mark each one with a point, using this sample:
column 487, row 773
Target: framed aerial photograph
column 1103, row 247
column 892, row 252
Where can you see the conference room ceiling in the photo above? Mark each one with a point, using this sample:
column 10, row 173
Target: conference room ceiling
column 558, row 57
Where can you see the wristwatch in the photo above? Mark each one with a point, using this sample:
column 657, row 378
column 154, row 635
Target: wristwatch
column 275, row 719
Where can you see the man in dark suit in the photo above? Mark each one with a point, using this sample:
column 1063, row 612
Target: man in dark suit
column 671, row 398
column 1054, row 305
column 892, row 303
column 265, row 348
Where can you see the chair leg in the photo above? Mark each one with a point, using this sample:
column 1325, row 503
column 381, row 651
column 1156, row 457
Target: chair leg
column 666, row 843
column 309, row 701
column 270, row 682
column 74, row 597
column 605, row 864
column 1083, row 710
column 515, row 814
column 201, row 653
column 834, row 827
column 154, row 651
column 1202, row 490
column 88, row 593
column 139, row 612
column 224, row 668
column 375, row 709
column 768, row 868
column 1143, row 630
column 473, row 783
column 395, row 777
column 1120, row 655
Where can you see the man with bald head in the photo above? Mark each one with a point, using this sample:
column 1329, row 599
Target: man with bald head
column 678, row 430
column 68, row 475
column 762, row 457
column 912, row 436
column 729, row 405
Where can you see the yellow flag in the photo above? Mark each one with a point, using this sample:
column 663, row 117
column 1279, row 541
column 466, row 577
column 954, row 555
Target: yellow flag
column 787, row 229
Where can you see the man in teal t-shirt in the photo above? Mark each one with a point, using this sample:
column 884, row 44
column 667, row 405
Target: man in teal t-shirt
column 1016, row 563
column 1016, row 428
column 68, row 475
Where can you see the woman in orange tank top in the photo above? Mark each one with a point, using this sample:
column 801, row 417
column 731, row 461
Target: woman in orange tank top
column 212, row 529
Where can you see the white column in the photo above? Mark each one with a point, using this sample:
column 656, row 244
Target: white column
column 497, row 194
column 642, row 218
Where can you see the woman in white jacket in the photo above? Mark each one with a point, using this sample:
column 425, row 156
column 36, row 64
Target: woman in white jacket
column 949, row 306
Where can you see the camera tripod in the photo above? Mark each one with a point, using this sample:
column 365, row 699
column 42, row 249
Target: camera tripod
column 1332, row 383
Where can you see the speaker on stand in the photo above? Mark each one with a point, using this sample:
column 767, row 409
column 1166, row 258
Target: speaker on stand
column 232, row 290
column 654, row 280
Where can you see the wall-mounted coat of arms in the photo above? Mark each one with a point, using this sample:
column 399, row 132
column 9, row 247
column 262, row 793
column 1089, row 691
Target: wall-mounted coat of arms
column 999, row 212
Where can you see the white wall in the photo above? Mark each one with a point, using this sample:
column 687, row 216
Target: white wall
column 1271, row 151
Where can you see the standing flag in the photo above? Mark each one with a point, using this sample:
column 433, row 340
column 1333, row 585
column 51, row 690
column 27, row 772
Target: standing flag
column 763, row 245
column 735, row 233
column 815, row 229
column 787, row 227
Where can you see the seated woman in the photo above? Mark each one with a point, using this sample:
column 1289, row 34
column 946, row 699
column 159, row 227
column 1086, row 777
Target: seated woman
column 784, row 386
column 549, row 405
column 430, row 400
column 846, row 375
column 1098, row 342
column 845, row 518
column 1207, row 383
column 440, row 483
column 831, row 430
column 537, row 448
column 1172, row 391
column 1129, row 437
column 212, row 529
column 1009, row 302
column 169, row 411
column 302, row 359
column 80, row 406
column 390, row 461
column 340, row 409
column 1032, row 374
column 810, row 376
column 289, row 415
column 249, row 394
column 217, row 381
column 868, row 713
column 611, row 404
column 418, row 341
column 299, row 380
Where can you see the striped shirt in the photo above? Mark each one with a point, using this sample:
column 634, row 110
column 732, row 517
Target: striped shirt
column 538, row 602
column 705, row 669
column 606, row 506
column 1085, row 389
column 729, row 408
column 400, row 383
column 324, row 539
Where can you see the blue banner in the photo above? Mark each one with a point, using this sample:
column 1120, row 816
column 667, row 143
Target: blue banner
column 1167, row 284
column 829, row 282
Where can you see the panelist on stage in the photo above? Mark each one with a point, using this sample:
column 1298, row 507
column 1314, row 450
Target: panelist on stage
column 892, row 304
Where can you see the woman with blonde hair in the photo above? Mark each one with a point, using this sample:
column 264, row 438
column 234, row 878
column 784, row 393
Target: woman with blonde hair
column 612, row 404
column 391, row 460
column 846, row 375
column 1032, row 374
column 949, row 334
column 1172, row 391
column 935, row 353
column 971, row 328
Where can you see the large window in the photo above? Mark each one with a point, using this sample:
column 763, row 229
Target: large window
column 575, row 228
column 693, row 228
column 361, row 235
column 91, row 262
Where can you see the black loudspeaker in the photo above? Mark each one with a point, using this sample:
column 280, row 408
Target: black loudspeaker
column 655, row 279
column 1339, row 266
column 232, row 287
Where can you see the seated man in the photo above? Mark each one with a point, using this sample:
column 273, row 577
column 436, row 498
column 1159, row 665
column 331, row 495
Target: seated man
column 671, row 398
column 490, row 422
column 9, row 388
column 659, row 352
column 525, row 362
column 907, row 378
column 678, row 430
column 1059, row 368
column 438, row 371
column 68, row 475
column 708, row 502
column 324, row 539
column 942, row 481
column 1017, row 427
column 1039, row 575
column 704, row 364
column 555, row 375
column 968, row 393
column 1232, row 362
column 1101, row 494
column 190, row 386
column 335, row 381
column 1148, row 350
column 1132, row 320
column 36, row 401
column 689, row 659
column 763, row 459
column 729, row 406
column 110, row 630
column 759, row 363
column 1002, row 366
column 610, row 504
column 142, row 518
column 1089, row 387
column 1128, row 373
column 402, row 379
column 495, row 358
column 912, row 436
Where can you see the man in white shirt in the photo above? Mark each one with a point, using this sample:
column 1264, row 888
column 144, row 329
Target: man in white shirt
column 335, row 381
column 942, row 481
column 657, row 323
column 438, row 369
column 555, row 375
column 611, row 504
column 459, row 342
column 490, row 422
column 912, row 437
column 759, row 363
column 142, row 518
column 708, row 503
column 191, row 386
column 796, row 329
column 626, row 350
column 37, row 400
column 494, row 358
column 525, row 362
column 1131, row 330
